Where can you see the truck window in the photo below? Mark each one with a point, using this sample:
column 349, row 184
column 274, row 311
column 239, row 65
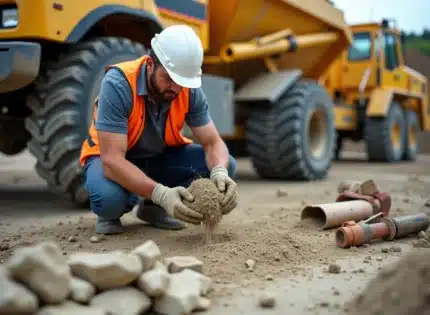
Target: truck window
column 361, row 47
column 390, row 47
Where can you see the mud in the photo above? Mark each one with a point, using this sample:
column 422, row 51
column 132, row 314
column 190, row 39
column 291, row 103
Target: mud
column 207, row 200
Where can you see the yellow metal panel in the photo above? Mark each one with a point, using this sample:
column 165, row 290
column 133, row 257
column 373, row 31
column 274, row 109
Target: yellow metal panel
column 346, row 118
column 380, row 101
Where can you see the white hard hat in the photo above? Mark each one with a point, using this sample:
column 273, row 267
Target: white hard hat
column 180, row 51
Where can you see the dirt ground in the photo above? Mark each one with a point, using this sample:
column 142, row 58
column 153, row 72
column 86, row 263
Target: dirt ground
column 290, row 259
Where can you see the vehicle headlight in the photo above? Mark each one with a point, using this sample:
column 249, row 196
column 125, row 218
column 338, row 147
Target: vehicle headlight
column 9, row 18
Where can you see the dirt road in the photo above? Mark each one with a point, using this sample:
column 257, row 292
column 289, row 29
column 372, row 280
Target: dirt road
column 290, row 259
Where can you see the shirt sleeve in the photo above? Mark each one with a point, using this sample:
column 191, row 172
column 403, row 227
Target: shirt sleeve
column 115, row 103
column 198, row 114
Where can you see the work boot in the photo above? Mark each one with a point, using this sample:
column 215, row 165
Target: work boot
column 157, row 216
column 104, row 226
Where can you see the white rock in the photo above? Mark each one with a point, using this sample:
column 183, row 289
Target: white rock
column 203, row 304
column 205, row 283
column 154, row 282
column 106, row 270
column 149, row 253
column 70, row 308
column 178, row 263
column 250, row 263
column 121, row 301
column 182, row 294
column 15, row 298
column 81, row 290
column 44, row 270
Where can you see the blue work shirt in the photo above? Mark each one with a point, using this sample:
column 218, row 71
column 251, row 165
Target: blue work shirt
column 115, row 106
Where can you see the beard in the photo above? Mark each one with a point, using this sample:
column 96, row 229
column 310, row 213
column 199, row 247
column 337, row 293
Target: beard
column 161, row 96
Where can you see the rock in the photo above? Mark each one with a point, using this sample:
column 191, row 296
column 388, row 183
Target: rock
column 334, row 268
column 178, row 263
column 281, row 192
column 269, row 277
column 94, row 239
column 106, row 270
column 421, row 243
column 349, row 185
column 379, row 258
column 422, row 234
column 427, row 203
column 70, row 308
column 15, row 298
column 81, row 291
column 385, row 250
column 203, row 304
column 43, row 269
column 148, row 253
column 72, row 239
column 267, row 299
column 120, row 301
column 154, row 282
column 395, row 249
column 182, row 294
column 250, row 263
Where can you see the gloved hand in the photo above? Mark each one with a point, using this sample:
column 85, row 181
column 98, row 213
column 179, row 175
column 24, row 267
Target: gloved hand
column 219, row 175
column 171, row 200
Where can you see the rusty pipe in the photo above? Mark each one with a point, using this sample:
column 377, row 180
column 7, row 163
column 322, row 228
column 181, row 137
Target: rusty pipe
column 356, row 234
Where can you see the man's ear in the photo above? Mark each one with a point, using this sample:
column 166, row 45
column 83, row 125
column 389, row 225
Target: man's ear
column 150, row 65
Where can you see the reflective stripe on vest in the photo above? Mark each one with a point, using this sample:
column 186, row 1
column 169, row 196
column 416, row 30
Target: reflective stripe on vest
column 175, row 116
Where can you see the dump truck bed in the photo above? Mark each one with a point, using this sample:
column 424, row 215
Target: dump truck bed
column 242, row 21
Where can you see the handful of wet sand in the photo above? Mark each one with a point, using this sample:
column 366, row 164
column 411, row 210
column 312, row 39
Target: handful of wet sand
column 207, row 201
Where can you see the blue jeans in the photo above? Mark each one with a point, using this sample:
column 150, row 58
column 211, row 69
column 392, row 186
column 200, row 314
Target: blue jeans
column 176, row 166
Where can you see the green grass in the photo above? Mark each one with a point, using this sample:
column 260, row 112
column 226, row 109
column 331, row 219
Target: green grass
column 421, row 44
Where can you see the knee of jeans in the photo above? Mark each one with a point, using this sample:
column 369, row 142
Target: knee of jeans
column 231, row 167
column 108, row 201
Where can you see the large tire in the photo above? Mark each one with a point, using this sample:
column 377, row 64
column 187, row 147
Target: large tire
column 295, row 138
column 412, row 126
column 62, row 105
column 385, row 136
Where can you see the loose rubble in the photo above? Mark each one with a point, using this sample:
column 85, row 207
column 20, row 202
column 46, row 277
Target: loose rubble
column 41, row 280
column 398, row 289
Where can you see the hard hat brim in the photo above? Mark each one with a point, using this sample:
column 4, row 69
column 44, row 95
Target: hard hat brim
column 186, row 82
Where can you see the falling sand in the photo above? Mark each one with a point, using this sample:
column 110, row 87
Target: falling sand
column 207, row 200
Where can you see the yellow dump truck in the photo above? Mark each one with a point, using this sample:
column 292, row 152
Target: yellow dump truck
column 263, row 60
column 378, row 98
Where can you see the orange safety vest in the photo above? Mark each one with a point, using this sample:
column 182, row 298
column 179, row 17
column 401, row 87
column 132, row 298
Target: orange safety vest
column 175, row 117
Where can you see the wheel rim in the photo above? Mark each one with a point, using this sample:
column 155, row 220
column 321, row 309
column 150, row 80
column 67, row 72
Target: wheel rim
column 395, row 135
column 412, row 137
column 317, row 134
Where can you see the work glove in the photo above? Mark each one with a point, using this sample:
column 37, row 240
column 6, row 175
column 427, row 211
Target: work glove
column 171, row 200
column 227, row 186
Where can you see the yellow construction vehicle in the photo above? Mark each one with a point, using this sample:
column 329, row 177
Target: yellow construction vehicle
column 263, row 60
column 377, row 98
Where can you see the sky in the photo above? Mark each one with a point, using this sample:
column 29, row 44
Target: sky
column 411, row 15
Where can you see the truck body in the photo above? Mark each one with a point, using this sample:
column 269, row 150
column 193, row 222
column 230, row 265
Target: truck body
column 377, row 97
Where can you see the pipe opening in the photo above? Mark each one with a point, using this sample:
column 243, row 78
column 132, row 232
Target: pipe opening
column 313, row 217
column 340, row 238
column 229, row 52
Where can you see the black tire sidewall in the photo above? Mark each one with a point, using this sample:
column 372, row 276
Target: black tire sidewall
column 94, row 79
column 395, row 113
column 411, row 120
column 318, row 99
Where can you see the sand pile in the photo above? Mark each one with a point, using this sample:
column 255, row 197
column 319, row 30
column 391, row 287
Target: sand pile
column 403, row 288
column 207, row 200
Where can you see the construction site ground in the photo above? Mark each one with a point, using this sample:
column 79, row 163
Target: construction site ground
column 291, row 260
